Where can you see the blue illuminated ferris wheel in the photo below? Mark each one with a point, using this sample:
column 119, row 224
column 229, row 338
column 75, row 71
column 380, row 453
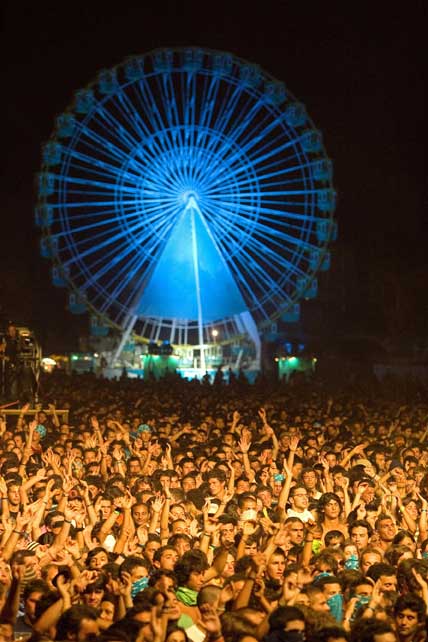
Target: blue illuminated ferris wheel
column 186, row 190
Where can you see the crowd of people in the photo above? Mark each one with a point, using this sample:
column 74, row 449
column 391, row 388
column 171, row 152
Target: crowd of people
column 178, row 511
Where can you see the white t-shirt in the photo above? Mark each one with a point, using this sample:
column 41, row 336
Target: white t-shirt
column 305, row 516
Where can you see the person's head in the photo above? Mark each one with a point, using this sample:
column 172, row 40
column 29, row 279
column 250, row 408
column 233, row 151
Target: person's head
column 97, row 558
column 209, row 594
column 264, row 493
column 385, row 574
column 409, row 615
column 371, row 630
column 247, row 507
column 330, row 634
column 94, row 592
column 329, row 506
column 33, row 592
column 227, row 528
column 181, row 542
column 386, row 528
column 299, row 498
column 361, row 587
column 190, row 569
column 317, row 599
column 107, row 611
column 6, row 630
column 216, row 480
column 295, row 530
column 105, row 507
column 360, row 532
column 404, row 538
column 140, row 514
column 309, row 478
column 368, row 556
column 175, row 634
column 137, row 567
column 165, row 557
column 330, row 586
column 5, row 574
column 334, row 539
column 152, row 545
column 13, row 494
column 275, row 566
column 164, row 581
column 78, row 623
column 287, row 619
column 188, row 482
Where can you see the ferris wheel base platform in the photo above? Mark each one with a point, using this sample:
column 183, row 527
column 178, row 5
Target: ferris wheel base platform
column 185, row 373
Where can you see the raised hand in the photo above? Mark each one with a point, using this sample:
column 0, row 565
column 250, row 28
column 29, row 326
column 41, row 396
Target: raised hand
column 244, row 443
column 157, row 504
column 210, row 620
column 294, row 442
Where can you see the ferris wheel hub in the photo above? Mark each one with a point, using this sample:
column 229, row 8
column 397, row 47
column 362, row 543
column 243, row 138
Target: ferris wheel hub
column 190, row 198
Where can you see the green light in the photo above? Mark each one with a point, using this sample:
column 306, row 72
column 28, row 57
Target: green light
column 293, row 361
column 74, row 357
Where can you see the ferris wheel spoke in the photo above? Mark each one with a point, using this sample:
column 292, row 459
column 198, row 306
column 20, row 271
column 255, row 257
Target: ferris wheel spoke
column 100, row 242
column 214, row 141
column 234, row 124
column 152, row 112
column 275, row 238
column 256, row 276
column 264, row 173
column 207, row 106
column 278, row 263
column 280, row 236
column 281, row 217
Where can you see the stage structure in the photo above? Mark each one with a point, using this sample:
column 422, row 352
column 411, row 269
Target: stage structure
column 186, row 197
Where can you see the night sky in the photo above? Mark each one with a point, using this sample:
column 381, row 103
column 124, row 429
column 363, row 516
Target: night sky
column 359, row 69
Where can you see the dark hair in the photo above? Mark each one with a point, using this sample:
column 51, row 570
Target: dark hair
column 380, row 568
column 412, row 602
column 282, row 615
column 98, row 584
column 71, row 619
column 329, row 632
column 33, row 586
column 95, row 551
column 215, row 473
column 323, row 581
column 331, row 535
column 363, row 524
column 398, row 537
column 159, row 573
column 326, row 498
column 191, row 561
column 172, row 628
column 132, row 562
column 365, row 630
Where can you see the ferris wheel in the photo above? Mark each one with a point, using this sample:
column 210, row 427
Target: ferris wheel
column 185, row 190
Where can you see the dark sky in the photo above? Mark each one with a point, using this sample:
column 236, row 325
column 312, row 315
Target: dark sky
column 358, row 67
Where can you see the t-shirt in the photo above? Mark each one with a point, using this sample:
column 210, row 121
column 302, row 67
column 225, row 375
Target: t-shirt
column 306, row 516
